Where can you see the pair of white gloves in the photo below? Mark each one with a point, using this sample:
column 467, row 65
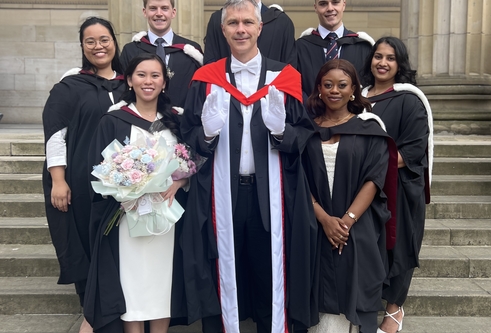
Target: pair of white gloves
column 273, row 112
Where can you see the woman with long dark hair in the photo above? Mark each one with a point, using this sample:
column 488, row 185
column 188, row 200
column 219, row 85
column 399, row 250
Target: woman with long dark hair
column 346, row 162
column 70, row 117
column 407, row 115
column 142, row 276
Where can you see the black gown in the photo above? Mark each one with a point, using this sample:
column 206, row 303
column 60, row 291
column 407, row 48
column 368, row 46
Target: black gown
column 104, row 299
column 76, row 102
column 276, row 42
column 311, row 57
column 351, row 283
column 300, row 230
column 182, row 65
column 406, row 120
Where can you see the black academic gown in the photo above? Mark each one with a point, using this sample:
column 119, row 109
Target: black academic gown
column 200, row 258
column 311, row 56
column 182, row 65
column 351, row 283
column 104, row 299
column 407, row 123
column 276, row 42
column 76, row 102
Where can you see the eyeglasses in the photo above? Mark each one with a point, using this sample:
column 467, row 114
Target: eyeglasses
column 91, row 43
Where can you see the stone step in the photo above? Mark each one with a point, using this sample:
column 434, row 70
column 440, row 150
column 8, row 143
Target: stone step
column 22, row 205
column 21, row 164
column 457, row 232
column 460, row 185
column 52, row 323
column 437, row 324
column 20, row 183
column 459, row 207
column 23, row 260
column 36, row 295
column 463, row 146
column 461, row 166
column 449, row 297
column 455, row 262
column 17, row 230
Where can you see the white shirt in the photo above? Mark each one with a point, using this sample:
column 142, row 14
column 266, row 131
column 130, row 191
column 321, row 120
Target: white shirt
column 247, row 83
column 168, row 38
column 324, row 32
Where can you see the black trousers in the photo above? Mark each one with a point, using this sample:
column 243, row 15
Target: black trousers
column 253, row 264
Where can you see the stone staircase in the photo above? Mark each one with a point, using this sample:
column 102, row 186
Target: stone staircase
column 451, row 292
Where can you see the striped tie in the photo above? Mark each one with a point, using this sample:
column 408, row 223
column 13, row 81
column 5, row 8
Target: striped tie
column 332, row 48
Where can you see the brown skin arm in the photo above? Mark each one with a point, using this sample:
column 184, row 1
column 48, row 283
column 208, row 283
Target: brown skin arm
column 61, row 195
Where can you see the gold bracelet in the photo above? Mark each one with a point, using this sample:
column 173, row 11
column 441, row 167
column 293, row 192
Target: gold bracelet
column 351, row 215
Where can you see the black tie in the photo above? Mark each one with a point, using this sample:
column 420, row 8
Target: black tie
column 160, row 48
column 332, row 48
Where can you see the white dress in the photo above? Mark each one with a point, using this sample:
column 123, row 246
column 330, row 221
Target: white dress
column 330, row 322
column 146, row 264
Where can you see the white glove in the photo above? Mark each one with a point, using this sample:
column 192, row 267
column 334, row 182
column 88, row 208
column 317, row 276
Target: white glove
column 273, row 111
column 213, row 115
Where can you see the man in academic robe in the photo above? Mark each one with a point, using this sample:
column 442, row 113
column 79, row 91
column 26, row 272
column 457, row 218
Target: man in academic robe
column 277, row 40
column 250, row 200
column 181, row 56
column 330, row 40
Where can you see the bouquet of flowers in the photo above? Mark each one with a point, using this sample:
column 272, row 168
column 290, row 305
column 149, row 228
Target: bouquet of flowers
column 189, row 161
column 134, row 175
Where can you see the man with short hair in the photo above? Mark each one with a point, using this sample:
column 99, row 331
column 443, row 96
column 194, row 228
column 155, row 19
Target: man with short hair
column 181, row 56
column 330, row 40
column 277, row 39
column 249, row 201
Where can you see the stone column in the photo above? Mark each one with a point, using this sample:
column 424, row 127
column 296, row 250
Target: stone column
column 449, row 43
column 127, row 18
column 189, row 20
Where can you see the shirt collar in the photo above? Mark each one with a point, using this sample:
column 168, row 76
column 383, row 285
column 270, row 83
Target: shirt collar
column 324, row 32
column 253, row 65
column 168, row 37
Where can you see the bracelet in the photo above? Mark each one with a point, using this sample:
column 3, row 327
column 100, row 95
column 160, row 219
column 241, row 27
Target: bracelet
column 351, row 215
column 313, row 202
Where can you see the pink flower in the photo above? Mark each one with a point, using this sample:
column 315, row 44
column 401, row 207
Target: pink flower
column 152, row 152
column 127, row 164
column 135, row 176
column 118, row 159
column 127, row 149
column 181, row 151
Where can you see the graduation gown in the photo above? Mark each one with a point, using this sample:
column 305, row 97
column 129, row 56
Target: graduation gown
column 76, row 102
column 407, row 122
column 351, row 283
column 276, row 42
column 181, row 64
column 104, row 299
column 299, row 230
column 311, row 56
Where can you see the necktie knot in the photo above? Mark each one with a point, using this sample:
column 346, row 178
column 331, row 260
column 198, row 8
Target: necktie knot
column 332, row 35
column 159, row 41
column 236, row 67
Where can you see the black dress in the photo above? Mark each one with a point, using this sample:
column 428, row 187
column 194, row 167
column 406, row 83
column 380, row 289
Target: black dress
column 76, row 102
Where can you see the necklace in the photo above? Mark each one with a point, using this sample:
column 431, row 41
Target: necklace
column 338, row 121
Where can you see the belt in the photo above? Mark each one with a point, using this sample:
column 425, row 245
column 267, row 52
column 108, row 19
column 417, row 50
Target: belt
column 247, row 179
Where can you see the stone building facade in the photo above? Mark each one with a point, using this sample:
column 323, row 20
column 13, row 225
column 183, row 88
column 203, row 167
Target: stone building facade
column 449, row 42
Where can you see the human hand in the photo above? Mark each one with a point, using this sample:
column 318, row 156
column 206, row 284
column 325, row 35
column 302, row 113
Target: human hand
column 213, row 115
column 61, row 195
column 273, row 111
column 172, row 190
column 335, row 230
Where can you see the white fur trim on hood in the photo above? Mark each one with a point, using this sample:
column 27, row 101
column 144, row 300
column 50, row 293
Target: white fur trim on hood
column 307, row 32
column 193, row 52
column 73, row 71
column 365, row 36
column 372, row 116
column 277, row 7
column 117, row 106
column 179, row 110
column 138, row 37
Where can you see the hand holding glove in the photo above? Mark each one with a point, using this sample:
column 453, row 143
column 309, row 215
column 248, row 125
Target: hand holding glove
column 273, row 111
column 213, row 115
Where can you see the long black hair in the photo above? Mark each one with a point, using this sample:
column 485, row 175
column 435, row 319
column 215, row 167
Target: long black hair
column 317, row 107
column 86, row 64
column 170, row 119
column 404, row 73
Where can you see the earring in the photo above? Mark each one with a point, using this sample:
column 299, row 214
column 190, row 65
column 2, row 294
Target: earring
column 320, row 96
column 130, row 88
column 163, row 90
column 352, row 98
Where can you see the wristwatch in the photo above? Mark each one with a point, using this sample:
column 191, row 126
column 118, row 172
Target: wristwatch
column 351, row 215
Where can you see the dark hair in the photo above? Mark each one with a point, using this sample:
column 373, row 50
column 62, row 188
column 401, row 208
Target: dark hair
column 172, row 3
column 164, row 106
column 317, row 107
column 86, row 64
column 404, row 73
